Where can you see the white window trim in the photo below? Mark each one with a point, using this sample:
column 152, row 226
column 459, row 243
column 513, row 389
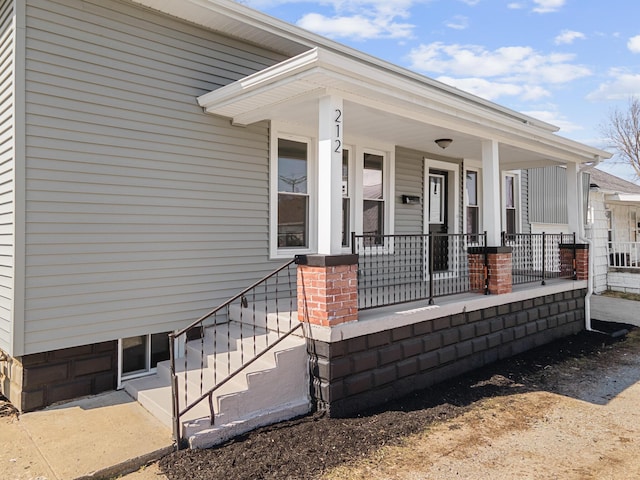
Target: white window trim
column 473, row 166
column 351, row 185
column 142, row 373
column 518, row 201
column 388, row 186
column 357, row 148
column 287, row 253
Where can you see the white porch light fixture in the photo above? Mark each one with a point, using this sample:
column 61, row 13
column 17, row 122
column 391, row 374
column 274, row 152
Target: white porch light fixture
column 443, row 142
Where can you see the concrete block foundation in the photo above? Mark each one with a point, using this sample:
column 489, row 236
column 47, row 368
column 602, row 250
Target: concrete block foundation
column 349, row 376
column 35, row 381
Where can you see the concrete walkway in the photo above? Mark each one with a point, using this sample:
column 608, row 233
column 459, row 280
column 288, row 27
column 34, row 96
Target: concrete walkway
column 97, row 437
column 611, row 309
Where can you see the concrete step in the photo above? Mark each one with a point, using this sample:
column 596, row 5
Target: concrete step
column 274, row 387
column 267, row 315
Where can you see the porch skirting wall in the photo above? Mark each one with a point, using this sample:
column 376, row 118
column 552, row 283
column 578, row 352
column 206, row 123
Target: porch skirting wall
column 626, row 281
column 35, row 381
column 351, row 375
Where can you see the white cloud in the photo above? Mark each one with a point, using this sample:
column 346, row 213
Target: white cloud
column 634, row 44
column 355, row 19
column 458, row 22
column 493, row 90
column 516, row 5
column 471, row 3
column 622, row 86
column 509, row 64
column 356, row 27
column 546, row 6
column 568, row 37
column 554, row 118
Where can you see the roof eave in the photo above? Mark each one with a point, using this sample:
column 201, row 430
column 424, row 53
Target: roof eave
column 208, row 12
column 357, row 76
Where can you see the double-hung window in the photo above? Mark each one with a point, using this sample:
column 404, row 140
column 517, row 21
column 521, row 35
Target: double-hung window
column 293, row 194
column 373, row 197
column 346, row 200
column 367, row 187
column 510, row 204
column 472, row 202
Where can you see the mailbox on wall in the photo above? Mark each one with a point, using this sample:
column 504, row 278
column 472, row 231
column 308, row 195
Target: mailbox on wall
column 411, row 200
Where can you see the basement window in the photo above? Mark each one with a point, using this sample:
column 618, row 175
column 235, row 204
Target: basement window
column 141, row 354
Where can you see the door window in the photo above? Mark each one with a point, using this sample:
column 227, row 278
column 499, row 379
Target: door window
column 436, row 199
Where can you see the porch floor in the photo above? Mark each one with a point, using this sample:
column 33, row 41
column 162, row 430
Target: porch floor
column 392, row 316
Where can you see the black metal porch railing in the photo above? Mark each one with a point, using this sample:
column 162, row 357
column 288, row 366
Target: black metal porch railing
column 396, row 269
column 537, row 256
column 263, row 316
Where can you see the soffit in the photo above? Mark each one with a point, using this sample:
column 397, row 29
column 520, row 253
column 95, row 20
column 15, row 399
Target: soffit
column 387, row 107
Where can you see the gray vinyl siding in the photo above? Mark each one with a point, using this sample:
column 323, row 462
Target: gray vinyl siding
column 142, row 212
column 548, row 195
column 7, row 173
column 409, row 181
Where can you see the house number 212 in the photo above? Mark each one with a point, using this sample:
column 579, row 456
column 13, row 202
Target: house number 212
column 338, row 125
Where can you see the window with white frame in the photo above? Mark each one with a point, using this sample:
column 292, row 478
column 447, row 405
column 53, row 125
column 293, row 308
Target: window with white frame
column 472, row 201
column 609, row 219
column 367, row 178
column 346, row 200
column 141, row 354
column 511, row 189
column 293, row 194
column 373, row 196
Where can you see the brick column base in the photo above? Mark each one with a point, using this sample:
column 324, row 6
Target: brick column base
column 581, row 267
column 477, row 270
column 327, row 289
column 499, row 270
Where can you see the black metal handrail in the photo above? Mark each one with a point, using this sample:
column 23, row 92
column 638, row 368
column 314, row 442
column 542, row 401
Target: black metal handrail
column 538, row 257
column 258, row 308
column 395, row 269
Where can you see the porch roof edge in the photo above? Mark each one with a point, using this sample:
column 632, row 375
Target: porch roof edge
column 239, row 21
column 319, row 72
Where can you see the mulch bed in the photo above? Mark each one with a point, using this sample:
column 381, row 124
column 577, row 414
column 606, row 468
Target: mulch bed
column 307, row 447
column 6, row 409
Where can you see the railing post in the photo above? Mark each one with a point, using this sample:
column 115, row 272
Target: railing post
column 486, row 265
column 575, row 269
column 430, row 240
column 544, row 258
column 174, row 392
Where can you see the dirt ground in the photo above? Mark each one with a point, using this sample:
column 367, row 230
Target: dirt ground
column 564, row 411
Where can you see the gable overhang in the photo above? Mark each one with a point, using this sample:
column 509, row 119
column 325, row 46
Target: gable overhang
column 408, row 112
column 625, row 198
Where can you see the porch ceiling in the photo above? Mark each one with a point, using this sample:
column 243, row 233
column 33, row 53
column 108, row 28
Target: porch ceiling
column 390, row 108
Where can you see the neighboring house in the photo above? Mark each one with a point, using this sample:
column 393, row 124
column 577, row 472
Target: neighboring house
column 161, row 156
column 614, row 219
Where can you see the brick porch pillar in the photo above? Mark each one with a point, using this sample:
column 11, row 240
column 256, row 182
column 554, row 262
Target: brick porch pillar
column 477, row 270
column 327, row 289
column 499, row 270
column 581, row 267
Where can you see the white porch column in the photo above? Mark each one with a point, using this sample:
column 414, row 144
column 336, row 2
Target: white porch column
column 573, row 206
column 330, row 130
column 492, row 212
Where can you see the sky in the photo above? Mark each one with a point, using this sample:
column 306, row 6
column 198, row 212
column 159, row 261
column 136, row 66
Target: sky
column 566, row 62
